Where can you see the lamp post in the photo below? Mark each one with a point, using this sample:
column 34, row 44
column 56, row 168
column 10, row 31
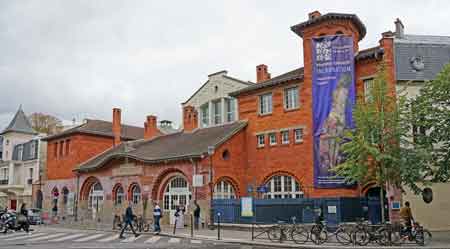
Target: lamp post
column 211, row 187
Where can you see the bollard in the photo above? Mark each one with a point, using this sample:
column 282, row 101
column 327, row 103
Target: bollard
column 218, row 226
column 175, row 226
column 192, row 226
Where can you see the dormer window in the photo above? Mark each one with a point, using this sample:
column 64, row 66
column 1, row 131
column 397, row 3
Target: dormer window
column 217, row 111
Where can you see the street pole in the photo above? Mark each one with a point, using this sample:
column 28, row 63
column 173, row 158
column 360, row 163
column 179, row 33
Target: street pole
column 211, row 187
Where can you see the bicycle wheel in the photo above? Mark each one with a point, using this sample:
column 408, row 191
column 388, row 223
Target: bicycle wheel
column 382, row 237
column 300, row 235
column 318, row 235
column 423, row 237
column 361, row 236
column 343, row 237
column 274, row 234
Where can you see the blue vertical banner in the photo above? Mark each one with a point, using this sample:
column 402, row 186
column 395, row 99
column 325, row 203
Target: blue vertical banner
column 333, row 88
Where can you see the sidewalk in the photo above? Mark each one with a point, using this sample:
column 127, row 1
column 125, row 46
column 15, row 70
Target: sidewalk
column 243, row 236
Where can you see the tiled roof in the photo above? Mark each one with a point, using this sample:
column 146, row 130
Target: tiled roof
column 20, row 123
column 375, row 52
column 176, row 146
column 296, row 74
column 101, row 128
column 420, row 57
column 298, row 29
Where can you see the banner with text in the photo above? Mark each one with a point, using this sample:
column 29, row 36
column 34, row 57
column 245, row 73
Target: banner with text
column 333, row 100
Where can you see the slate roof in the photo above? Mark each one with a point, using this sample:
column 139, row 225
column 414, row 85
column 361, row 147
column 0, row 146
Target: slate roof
column 176, row 146
column 298, row 29
column 20, row 123
column 370, row 53
column 101, row 128
column 296, row 74
column 420, row 57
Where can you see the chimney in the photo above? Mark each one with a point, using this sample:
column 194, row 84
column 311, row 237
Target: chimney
column 399, row 29
column 117, row 125
column 262, row 73
column 314, row 14
column 150, row 127
column 190, row 120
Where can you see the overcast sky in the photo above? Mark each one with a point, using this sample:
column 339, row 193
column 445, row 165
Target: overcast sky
column 79, row 59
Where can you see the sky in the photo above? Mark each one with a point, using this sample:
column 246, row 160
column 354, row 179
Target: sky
column 80, row 59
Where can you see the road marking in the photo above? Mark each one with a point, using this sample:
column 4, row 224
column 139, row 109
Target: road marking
column 25, row 236
column 153, row 239
column 193, row 241
column 72, row 236
column 11, row 235
column 51, row 236
column 206, row 237
column 110, row 238
column 94, row 236
column 129, row 239
column 174, row 240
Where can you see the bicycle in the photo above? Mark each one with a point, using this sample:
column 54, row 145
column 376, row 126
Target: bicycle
column 364, row 233
column 278, row 232
column 416, row 233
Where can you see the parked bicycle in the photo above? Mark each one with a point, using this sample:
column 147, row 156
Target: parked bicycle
column 280, row 231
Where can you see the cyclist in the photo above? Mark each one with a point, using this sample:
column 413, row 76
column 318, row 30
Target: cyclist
column 407, row 217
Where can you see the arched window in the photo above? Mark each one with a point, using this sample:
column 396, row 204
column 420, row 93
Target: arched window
column 96, row 195
column 119, row 195
column 283, row 187
column 224, row 190
column 135, row 194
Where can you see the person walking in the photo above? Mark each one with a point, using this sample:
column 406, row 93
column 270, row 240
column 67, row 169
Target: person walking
column 196, row 215
column 128, row 222
column 157, row 214
column 23, row 219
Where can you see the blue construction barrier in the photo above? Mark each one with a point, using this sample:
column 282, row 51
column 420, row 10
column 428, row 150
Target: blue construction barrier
column 335, row 210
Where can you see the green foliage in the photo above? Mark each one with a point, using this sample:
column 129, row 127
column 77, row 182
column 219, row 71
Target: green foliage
column 380, row 147
column 431, row 113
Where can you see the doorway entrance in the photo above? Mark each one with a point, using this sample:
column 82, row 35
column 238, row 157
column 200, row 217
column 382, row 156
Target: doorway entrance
column 177, row 193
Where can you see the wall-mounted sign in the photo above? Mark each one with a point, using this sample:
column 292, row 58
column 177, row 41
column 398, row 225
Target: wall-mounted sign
column 395, row 205
column 332, row 209
column 128, row 170
column 262, row 189
column 247, row 207
column 197, row 180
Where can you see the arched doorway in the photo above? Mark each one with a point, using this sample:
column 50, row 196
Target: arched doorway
column 224, row 190
column 374, row 205
column 176, row 193
column 95, row 199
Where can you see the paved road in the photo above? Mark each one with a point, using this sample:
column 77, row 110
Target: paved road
column 48, row 238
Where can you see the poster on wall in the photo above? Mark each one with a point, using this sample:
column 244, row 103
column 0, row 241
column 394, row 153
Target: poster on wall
column 333, row 100
column 246, row 206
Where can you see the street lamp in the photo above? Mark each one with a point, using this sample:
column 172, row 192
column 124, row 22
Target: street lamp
column 211, row 187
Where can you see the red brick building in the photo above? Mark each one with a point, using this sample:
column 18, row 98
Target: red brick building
column 270, row 145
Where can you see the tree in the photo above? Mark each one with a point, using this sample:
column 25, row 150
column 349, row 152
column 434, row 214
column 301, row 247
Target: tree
column 44, row 123
column 431, row 116
column 380, row 148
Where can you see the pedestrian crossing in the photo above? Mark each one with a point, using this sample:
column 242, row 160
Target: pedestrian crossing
column 103, row 237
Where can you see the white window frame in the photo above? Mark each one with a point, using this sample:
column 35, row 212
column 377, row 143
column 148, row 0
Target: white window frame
column 272, row 138
column 136, row 194
column 291, row 98
column 277, row 188
column 32, row 149
column 119, row 196
column 265, row 103
column 20, row 152
column 217, row 111
column 368, row 86
column 284, row 137
column 298, row 138
column 261, row 140
column 4, row 173
column 96, row 194
column 224, row 190
column 230, row 106
column 204, row 112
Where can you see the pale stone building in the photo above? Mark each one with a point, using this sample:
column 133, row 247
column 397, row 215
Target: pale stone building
column 19, row 165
